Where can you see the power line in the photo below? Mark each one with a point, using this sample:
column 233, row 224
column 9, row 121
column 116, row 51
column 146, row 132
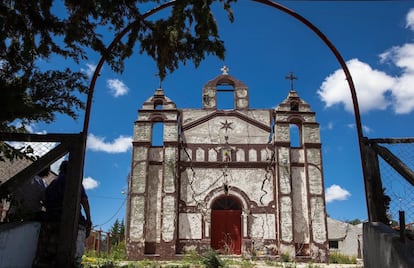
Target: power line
column 105, row 197
column 113, row 216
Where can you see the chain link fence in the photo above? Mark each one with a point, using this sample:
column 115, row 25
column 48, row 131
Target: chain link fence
column 25, row 154
column 398, row 192
column 17, row 156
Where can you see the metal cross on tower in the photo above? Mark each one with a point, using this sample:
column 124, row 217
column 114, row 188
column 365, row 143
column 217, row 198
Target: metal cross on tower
column 291, row 77
column 225, row 70
column 159, row 78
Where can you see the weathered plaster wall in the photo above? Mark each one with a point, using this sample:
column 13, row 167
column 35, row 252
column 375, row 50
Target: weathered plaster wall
column 194, row 189
column 212, row 132
column 142, row 132
column 383, row 247
column 263, row 226
column 168, row 218
column 190, row 226
column 300, row 205
column 153, row 211
column 311, row 133
column 136, row 228
column 286, row 224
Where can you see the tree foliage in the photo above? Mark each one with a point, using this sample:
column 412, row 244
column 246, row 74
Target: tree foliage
column 117, row 231
column 33, row 31
column 355, row 221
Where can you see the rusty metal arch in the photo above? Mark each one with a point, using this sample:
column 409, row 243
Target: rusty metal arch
column 269, row 3
column 334, row 51
column 264, row 2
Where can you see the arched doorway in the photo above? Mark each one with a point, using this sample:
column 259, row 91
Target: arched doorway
column 226, row 225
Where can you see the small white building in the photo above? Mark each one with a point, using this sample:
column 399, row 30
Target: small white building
column 345, row 238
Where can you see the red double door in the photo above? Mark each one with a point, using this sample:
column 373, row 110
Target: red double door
column 226, row 231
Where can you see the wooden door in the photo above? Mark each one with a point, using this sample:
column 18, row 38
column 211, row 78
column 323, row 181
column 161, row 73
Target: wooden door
column 226, row 231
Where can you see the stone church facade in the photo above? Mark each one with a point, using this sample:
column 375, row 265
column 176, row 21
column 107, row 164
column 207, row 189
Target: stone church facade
column 229, row 180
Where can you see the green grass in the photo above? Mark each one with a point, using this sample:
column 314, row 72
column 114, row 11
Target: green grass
column 192, row 259
column 341, row 258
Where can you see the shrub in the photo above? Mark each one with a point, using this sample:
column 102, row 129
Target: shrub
column 341, row 258
column 193, row 257
column 212, row 260
column 285, row 257
column 118, row 252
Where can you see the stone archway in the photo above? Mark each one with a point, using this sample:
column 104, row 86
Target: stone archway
column 226, row 222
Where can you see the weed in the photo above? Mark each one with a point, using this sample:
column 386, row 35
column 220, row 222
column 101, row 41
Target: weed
column 341, row 258
column 192, row 257
column 212, row 260
column 285, row 257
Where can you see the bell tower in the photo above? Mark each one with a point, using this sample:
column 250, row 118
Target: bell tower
column 212, row 88
column 152, row 199
column 302, row 212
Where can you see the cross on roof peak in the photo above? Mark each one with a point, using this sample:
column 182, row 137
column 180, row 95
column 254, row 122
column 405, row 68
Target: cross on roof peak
column 291, row 77
column 225, row 70
column 160, row 80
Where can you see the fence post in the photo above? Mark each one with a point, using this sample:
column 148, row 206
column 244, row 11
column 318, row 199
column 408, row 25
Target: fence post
column 70, row 213
column 99, row 241
column 402, row 225
column 373, row 186
column 108, row 243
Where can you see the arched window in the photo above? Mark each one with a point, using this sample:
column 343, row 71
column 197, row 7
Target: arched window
column 226, row 203
column 295, row 136
column 157, row 134
column 294, row 106
column 158, row 105
column 225, row 97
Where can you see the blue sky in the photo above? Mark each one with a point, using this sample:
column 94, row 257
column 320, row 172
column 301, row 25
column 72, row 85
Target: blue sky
column 376, row 38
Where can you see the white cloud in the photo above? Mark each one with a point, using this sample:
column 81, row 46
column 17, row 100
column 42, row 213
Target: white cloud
column 90, row 183
column 117, row 87
column 371, row 86
column 410, row 19
column 336, row 192
column 402, row 57
column 365, row 128
column 119, row 145
column 90, row 69
column 376, row 90
column 330, row 125
column 404, row 94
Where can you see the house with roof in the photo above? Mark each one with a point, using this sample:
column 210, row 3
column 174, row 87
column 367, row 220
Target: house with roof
column 345, row 238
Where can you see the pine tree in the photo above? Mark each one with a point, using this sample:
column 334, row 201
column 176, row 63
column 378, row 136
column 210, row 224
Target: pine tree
column 115, row 230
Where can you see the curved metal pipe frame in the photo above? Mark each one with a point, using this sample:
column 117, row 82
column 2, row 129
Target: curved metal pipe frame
column 264, row 2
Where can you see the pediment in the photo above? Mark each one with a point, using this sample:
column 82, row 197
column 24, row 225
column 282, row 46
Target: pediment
column 237, row 127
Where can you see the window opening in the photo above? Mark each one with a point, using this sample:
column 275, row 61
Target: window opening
column 226, row 203
column 294, row 106
column 157, row 134
column 272, row 130
column 225, row 97
column 333, row 244
column 295, row 136
column 158, row 105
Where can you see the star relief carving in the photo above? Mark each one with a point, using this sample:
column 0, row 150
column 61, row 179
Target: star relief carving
column 226, row 125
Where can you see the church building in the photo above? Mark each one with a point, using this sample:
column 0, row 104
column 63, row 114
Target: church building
column 241, row 181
